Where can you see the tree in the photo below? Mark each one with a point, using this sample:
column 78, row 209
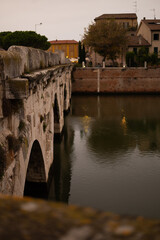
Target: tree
column 82, row 53
column 79, row 52
column 24, row 38
column 2, row 36
column 153, row 59
column 142, row 56
column 131, row 59
column 106, row 38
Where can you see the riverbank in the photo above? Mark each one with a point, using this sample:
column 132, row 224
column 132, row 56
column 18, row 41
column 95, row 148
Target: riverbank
column 116, row 80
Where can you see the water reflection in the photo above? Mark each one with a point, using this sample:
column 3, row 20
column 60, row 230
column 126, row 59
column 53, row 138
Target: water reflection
column 109, row 157
column 61, row 175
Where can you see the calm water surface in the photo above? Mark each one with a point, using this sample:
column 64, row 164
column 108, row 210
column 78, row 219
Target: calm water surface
column 109, row 156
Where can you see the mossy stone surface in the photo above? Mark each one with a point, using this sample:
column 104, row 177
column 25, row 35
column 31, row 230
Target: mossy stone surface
column 25, row 218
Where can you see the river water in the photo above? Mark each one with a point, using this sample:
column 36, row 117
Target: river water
column 109, row 155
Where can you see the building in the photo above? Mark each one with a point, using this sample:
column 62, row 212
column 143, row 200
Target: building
column 136, row 42
column 69, row 47
column 149, row 29
column 128, row 20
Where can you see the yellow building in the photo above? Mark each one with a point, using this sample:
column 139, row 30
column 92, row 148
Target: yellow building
column 70, row 47
column 128, row 20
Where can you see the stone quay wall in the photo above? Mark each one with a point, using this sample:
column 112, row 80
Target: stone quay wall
column 116, row 80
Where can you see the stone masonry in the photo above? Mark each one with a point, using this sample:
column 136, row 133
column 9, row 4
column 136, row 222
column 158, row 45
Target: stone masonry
column 35, row 219
column 116, row 80
column 35, row 86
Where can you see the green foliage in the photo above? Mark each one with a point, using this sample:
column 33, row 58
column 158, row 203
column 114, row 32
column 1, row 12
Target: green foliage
column 106, row 38
column 2, row 36
column 77, row 65
column 82, row 52
column 79, row 52
column 131, row 59
column 24, row 38
column 153, row 59
column 143, row 55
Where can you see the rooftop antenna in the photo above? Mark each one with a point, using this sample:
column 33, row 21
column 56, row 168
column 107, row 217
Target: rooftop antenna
column 135, row 6
column 154, row 11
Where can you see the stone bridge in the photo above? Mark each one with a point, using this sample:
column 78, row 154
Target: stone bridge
column 35, row 91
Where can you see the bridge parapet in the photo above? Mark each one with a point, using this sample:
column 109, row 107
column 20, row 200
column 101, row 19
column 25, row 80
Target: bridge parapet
column 32, row 105
column 19, row 60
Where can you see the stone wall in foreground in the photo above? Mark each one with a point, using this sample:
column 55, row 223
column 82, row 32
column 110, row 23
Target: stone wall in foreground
column 116, row 80
column 36, row 219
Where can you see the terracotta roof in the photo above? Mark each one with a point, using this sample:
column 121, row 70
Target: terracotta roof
column 137, row 41
column 117, row 16
column 153, row 24
column 63, row 42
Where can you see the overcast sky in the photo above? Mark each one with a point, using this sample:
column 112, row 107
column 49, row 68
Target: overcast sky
column 66, row 19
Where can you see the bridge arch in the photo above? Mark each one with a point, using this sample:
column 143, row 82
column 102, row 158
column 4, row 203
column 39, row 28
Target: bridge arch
column 36, row 182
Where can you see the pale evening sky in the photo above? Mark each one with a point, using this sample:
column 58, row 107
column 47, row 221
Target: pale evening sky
column 66, row 19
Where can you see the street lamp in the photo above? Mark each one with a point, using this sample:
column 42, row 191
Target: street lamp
column 37, row 25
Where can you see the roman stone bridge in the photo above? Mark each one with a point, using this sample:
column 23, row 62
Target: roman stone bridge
column 35, row 91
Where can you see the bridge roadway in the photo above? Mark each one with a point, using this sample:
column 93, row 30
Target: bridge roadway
column 35, row 90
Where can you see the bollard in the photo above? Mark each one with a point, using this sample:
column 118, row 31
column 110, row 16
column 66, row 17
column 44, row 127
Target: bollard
column 145, row 65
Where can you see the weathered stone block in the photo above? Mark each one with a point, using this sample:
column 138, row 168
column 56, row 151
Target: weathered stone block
column 17, row 88
column 11, row 65
column 1, row 95
column 19, row 60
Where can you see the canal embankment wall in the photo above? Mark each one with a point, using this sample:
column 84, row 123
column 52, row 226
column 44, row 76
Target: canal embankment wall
column 116, row 80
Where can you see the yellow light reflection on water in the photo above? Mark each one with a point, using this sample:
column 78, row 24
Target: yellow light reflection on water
column 124, row 124
column 86, row 123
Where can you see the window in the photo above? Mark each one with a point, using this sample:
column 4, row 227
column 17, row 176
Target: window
column 125, row 25
column 155, row 36
column 135, row 50
column 156, row 50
